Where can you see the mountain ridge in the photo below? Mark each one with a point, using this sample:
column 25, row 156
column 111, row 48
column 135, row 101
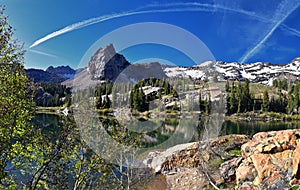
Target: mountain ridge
column 107, row 64
column 51, row 74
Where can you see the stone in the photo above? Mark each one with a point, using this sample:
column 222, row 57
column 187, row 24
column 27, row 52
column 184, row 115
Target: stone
column 245, row 172
column 189, row 163
column 159, row 160
column 246, row 187
column 272, row 157
column 270, row 160
column 228, row 168
column 296, row 163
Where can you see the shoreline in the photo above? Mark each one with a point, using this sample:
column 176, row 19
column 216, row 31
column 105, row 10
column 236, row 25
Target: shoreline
column 266, row 116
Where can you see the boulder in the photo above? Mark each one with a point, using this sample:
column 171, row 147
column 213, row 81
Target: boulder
column 187, row 166
column 228, row 168
column 270, row 160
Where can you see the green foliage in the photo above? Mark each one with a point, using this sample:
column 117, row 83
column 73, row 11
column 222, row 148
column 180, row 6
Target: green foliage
column 240, row 100
column 101, row 93
column 235, row 152
column 16, row 102
column 57, row 95
column 138, row 99
column 61, row 160
column 140, row 102
column 275, row 83
column 215, row 163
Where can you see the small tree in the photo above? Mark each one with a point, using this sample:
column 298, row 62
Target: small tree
column 16, row 101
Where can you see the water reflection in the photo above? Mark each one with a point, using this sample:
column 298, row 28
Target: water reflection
column 250, row 128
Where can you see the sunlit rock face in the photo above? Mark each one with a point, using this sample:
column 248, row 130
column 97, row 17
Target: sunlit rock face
column 270, row 161
column 106, row 64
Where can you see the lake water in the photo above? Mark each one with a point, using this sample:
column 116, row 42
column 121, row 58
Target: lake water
column 50, row 124
column 250, row 128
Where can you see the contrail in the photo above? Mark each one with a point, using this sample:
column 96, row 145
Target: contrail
column 42, row 53
column 101, row 19
column 199, row 7
column 215, row 7
column 279, row 21
column 189, row 7
column 291, row 30
column 236, row 10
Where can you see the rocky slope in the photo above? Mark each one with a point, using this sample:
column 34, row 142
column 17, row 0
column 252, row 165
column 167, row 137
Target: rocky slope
column 270, row 160
column 39, row 75
column 51, row 74
column 62, row 71
column 106, row 64
column 260, row 72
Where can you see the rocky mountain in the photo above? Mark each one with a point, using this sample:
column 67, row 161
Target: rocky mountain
column 62, row 71
column 106, row 64
column 39, row 75
column 260, row 72
column 51, row 74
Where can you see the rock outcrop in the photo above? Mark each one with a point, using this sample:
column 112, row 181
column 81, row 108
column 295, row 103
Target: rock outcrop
column 106, row 64
column 270, row 160
column 187, row 166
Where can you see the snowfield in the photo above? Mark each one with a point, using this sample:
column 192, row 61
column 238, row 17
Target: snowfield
column 261, row 72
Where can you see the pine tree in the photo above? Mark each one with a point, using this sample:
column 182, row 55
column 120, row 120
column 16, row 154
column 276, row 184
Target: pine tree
column 99, row 102
column 296, row 96
column 275, row 83
column 227, row 88
column 265, row 103
column 290, row 105
column 232, row 102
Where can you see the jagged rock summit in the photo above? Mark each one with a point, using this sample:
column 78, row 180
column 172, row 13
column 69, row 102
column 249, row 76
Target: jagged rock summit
column 62, row 71
column 106, row 64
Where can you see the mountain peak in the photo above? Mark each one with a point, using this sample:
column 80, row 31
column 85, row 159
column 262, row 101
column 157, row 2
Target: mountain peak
column 62, row 71
column 107, row 53
column 106, row 63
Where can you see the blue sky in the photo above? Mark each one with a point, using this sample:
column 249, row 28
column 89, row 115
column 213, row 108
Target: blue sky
column 233, row 30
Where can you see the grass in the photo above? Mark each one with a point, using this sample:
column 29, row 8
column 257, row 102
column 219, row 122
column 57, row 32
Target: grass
column 236, row 152
column 49, row 110
column 215, row 163
column 104, row 111
column 263, row 116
